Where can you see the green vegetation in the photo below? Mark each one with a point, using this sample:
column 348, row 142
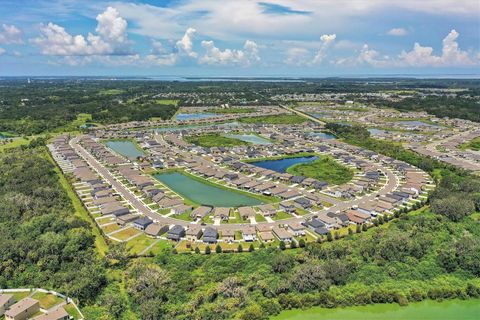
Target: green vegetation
column 462, row 107
column 274, row 119
column 232, row 110
column 166, row 102
column 215, row 140
column 62, row 106
column 324, row 169
column 42, row 243
column 418, row 256
column 473, row 144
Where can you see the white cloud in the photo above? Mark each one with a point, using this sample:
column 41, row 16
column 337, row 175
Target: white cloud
column 215, row 56
column 10, row 35
column 235, row 20
column 451, row 54
column 111, row 38
column 2, row 51
column 397, row 32
column 298, row 56
column 185, row 45
column 419, row 56
column 327, row 40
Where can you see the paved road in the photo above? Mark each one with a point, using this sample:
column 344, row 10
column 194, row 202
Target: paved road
column 391, row 184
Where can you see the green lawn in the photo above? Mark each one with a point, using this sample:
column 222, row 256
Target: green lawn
column 72, row 311
column 472, row 144
column 166, row 102
column 110, row 92
column 215, row 140
column 233, row 110
column 138, row 244
column 260, row 218
column 324, row 169
column 47, row 300
column 275, row 119
column 281, row 215
column 184, row 216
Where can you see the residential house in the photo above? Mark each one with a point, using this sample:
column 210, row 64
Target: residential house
column 176, row 232
column 142, row 223
column 57, row 314
column 156, row 229
column 210, row 235
column 193, row 233
column 23, row 309
column 249, row 234
column 6, row 300
column 282, row 234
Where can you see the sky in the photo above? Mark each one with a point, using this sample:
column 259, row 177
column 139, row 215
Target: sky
column 311, row 38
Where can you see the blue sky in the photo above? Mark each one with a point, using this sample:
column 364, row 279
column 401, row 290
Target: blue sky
column 239, row 37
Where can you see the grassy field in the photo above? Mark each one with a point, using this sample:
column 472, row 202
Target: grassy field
column 110, row 92
column 324, row 169
column 275, row 119
column 126, row 233
column 215, row 140
column 15, row 142
column 472, row 144
column 47, row 300
column 232, row 110
column 166, row 102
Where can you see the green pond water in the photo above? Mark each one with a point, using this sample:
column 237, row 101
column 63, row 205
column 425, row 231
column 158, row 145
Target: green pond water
column 125, row 148
column 203, row 193
column 425, row 310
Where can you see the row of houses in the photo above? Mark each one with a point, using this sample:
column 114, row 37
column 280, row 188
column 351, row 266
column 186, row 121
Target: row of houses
column 28, row 308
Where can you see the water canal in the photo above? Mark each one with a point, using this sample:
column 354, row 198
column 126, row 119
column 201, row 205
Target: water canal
column 194, row 116
column 125, row 148
column 203, row 193
column 425, row 310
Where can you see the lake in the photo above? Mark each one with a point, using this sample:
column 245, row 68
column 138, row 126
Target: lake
column 323, row 135
column 194, row 126
column 281, row 165
column 125, row 148
column 425, row 310
column 203, row 193
column 417, row 123
column 254, row 139
column 376, row 132
column 194, row 116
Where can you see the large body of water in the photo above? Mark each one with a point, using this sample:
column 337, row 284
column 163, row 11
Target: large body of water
column 417, row 123
column 193, row 126
column 425, row 310
column 281, row 165
column 125, row 148
column 248, row 138
column 324, row 135
column 194, row 116
column 203, row 193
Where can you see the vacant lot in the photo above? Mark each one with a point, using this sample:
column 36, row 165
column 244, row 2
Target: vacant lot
column 324, row 169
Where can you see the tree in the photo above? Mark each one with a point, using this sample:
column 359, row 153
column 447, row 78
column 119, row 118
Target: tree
column 309, row 277
column 251, row 248
column 364, row 227
column 329, row 236
column 301, row 243
column 350, row 231
column 208, row 250
column 282, row 245
column 218, row 249
column 337, row 235
column 197, row 250
column 358, row 228
column 282, row 262
column 240, row 248
column 293, row 244
column 453, row 207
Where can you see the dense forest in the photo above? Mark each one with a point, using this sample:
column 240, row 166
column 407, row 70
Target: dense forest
column 42, row 243
column 463, row 107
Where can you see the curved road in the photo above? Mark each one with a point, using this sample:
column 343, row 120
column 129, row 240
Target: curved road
column 391, row 184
